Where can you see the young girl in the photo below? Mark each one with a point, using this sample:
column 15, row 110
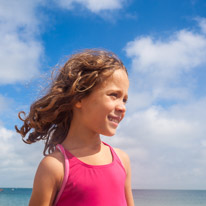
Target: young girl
column 86, row 99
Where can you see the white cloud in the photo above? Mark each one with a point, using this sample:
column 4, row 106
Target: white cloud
column 95, row 6
column 18, row 13
column 162, row 69
column 202, row 24
column 19, row 56
column 20, row 50
column 183, row 51
column 164, row 126
column 18, row 160
column 19, row 59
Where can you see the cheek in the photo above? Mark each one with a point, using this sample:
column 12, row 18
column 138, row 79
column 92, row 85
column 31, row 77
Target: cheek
column 110, row 104
column 106, row 105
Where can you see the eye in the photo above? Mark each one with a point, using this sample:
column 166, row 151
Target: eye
column 115, row 95
column 125, row 100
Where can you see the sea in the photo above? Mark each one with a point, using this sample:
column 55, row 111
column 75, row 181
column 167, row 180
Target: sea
column 21, row 196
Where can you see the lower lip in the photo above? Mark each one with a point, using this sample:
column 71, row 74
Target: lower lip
column 115, row 124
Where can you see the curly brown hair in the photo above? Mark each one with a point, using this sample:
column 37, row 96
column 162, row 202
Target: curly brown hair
column 50, row 116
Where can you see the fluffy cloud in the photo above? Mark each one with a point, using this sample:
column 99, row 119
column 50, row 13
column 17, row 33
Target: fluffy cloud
column 183, row 51
column 95, row 6
column 18, row 160
column 202, row 24
column 20, row 51
column 162, row 69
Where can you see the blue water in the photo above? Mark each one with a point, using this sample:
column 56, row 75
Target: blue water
column 169, row 197
column 21, row 196
column 15, row 196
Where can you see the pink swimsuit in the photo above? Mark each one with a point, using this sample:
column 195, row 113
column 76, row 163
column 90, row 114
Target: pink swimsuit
column 92, row 185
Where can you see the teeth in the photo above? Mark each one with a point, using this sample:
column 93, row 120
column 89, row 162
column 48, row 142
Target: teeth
column 113, row 120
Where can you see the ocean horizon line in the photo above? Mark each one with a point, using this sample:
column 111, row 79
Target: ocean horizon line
column 144, row 197
column 160, row 189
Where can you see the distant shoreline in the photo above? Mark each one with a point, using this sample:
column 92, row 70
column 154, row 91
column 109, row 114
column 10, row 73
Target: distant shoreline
column 2, row 188
column 148, row 197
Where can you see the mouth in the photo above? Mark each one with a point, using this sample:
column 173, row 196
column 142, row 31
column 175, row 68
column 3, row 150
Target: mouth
column 115, row 119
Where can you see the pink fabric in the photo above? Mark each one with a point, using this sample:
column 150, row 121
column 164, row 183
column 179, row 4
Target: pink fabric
column 93, row 185
column 66, row 172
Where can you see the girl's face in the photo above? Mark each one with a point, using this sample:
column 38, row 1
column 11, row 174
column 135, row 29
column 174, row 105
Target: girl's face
column 102, row 111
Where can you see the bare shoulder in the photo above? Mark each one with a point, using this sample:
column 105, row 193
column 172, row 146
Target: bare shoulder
column 52, row 164
column 51, row 160
column 124, row 157
column 121, row 153
column 51, row 168
column 48, row 179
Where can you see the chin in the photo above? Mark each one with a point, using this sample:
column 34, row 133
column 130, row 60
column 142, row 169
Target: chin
column 109, row 134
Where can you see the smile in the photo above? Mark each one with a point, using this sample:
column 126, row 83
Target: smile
column 114, row 119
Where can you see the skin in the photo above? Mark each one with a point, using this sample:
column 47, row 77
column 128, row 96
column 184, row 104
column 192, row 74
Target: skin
column 108, row 101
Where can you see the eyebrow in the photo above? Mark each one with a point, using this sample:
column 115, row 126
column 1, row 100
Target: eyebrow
column 117, row 90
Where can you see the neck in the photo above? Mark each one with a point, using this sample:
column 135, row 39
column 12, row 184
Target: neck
column 79, row 137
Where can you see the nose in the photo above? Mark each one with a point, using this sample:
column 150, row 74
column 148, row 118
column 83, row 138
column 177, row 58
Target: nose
column 121, row 107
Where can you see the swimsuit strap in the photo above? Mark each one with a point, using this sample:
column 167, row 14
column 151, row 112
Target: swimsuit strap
column 115, row 156
column 66, row 172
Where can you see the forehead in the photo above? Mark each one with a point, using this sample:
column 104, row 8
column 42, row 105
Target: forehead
column 118, row 79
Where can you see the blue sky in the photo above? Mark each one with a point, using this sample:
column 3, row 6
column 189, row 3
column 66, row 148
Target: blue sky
column 163, row 45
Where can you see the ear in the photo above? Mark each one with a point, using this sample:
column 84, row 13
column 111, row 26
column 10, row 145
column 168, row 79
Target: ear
column 78, row 105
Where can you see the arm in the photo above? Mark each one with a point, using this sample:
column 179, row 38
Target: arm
column 47, row 181
column 128, row 189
